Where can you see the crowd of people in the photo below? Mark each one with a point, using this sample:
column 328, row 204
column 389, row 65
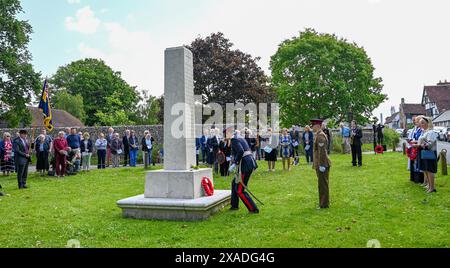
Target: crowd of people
column 71, row 152
column 422, row 152
column 214, row 149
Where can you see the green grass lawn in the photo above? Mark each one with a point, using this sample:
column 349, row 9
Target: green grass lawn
column 375, row 202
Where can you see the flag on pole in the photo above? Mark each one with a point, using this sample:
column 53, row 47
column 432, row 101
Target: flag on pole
column 46, row 108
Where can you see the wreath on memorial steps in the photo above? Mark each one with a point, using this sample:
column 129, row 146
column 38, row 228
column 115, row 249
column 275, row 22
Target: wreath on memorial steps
column 208, row 186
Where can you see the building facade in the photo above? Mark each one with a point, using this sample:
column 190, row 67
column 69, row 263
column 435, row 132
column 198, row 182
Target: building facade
column 407, row 112
column 436, row 99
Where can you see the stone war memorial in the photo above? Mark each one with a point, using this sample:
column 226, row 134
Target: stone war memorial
column 175, row 193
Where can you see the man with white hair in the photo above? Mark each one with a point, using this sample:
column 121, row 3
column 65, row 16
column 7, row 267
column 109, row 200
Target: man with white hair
column 345, row 132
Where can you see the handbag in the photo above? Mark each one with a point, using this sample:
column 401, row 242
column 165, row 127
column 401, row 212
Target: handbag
column 307, row 147
column 119, row 152
column 268, row 149
column 428, row 155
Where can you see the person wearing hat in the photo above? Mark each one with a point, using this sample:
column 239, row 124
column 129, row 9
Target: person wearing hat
column 22, row 157
column 321, row 162
column 244, row 161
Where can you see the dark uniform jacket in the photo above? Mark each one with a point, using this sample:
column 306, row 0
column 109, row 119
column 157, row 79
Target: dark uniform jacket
column 238, row 147
column 251, row 142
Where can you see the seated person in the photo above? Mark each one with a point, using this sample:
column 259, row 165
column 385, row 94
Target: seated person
column 73, row 162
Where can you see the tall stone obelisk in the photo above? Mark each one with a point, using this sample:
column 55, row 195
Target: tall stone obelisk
column 176, row 192
column 179, row 110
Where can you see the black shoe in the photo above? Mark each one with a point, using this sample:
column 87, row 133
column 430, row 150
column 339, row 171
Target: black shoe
column 1, row 194
column 254, row 212
column 24, row 187
column 234, row 209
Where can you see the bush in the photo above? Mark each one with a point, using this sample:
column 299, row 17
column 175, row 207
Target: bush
column 391, row 138
column 337, row 144
column 155, row 154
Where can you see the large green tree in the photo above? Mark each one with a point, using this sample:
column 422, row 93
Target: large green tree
column 103, row 90
column 148, row 111
column 321, row 75
column 73, row 104
column 226, row 75
column 18, row 81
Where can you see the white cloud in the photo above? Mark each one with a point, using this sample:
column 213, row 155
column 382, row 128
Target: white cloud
column 135, row 54
column 399, row 46
column 90, row 52
column 84, row 22
column 73, row 1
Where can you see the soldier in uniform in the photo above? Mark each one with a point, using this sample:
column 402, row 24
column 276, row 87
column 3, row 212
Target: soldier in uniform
column 322, row 163
column 244, row 161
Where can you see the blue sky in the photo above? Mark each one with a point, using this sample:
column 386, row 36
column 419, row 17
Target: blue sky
column 54, row 45
column 407, row 40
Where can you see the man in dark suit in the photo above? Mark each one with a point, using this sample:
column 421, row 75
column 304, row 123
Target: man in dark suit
column 126, row 147
column 380, row 134
column 295, row 137
column 356, row 143
column 204, row 146
column 22, row 157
